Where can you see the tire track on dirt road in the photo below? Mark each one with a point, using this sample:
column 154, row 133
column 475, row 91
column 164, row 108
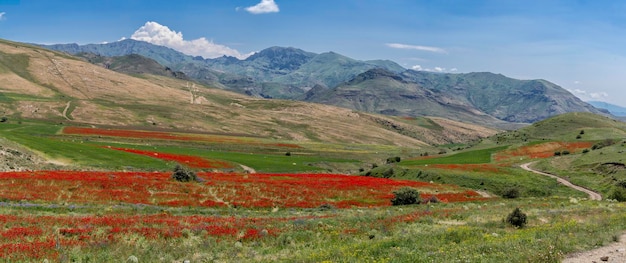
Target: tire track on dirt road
column 592, row 195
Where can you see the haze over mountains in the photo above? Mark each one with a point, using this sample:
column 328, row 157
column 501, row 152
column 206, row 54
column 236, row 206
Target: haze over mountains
column 378, row 86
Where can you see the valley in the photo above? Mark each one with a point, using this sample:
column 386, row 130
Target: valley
column 88, row 155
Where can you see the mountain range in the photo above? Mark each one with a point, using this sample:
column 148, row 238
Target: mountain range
column 613, row 109
column 377, row 86
column 45, row 85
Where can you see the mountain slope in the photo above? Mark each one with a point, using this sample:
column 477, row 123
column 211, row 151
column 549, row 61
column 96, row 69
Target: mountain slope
column 276, row 72
column 330, row 78
column 41, row 84
column 613, row 109
column 483, row 98
column 132, row 64
column 569, row 127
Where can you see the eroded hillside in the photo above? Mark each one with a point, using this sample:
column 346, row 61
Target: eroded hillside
column 42, row 84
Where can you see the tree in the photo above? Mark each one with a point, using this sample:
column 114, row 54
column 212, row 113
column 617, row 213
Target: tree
column 182, row 174
column 406, row 196
column 516, row 218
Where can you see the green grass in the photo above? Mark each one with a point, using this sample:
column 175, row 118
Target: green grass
column 528, row 184
column 594, row 170
column 18, row 63
column 277, row 162
column 461, row 232
column 470, row 232
column 466, row 157
column 86, row 152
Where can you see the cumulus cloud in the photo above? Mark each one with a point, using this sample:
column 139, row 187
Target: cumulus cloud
column 598, row 95
column 416, row 47
column 155, row 33
column 435, row 69
column 2, row 15
column 264, row 7
column 585, row 95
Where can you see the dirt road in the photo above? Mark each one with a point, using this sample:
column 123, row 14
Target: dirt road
column 592, row 195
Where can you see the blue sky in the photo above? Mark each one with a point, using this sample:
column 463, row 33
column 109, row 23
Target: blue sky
column 580, row 45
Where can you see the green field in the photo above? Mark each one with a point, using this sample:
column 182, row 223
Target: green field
column 466, row 157
column 472, row 231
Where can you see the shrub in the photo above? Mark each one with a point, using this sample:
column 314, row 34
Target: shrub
column 585, row 150
column 578, row 136
column 516, row 218
column 557, row 153
column 566, row 152
column 582, row 132
column 288, row 154
column 511, row 193
column 618, row 194
column 182, row 174
column 393, row 159
column 4, row 119
column 406, row 196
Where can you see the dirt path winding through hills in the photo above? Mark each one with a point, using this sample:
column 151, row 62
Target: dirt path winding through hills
column 592, row 195
column 67, row 107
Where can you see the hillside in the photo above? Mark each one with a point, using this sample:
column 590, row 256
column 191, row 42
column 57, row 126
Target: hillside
column 482, row 98
column 41, row 84
column 275, row 72
column 569, row 127
column 330, row 78
column 613, row 109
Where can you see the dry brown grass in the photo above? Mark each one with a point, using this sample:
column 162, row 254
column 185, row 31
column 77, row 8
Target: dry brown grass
column 105, row 97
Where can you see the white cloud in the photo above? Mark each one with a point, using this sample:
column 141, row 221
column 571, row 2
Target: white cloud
column 435, row 69
column 264, row 7
column 155, row 33
column 2, row 15
column 417, row 67
column 415, row 47
column 598, row 95
column 585, row 95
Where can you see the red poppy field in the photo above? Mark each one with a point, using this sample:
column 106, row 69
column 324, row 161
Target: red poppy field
column 216, row 190
column 187, row 160
column 27, row 236
column 543, row 150
column 155, row 135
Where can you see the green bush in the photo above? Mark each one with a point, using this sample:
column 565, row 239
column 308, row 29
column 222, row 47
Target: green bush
column 393, row 159
column 406, row 196
column 585, row 150
column 511, row 193
column 384, row 171
column 182, row 174
column 516, row 218
column 618, row 194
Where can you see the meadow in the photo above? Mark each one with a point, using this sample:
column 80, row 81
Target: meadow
column 115, row 200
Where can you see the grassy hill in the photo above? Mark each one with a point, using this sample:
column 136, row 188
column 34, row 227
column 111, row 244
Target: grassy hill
column 46, row 85
column 101, row 147
column 568, row 127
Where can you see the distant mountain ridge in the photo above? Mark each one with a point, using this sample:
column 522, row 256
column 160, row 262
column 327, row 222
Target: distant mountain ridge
column 275, row 72
column 612, row 108
column 379, row 86
column 483, row 98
